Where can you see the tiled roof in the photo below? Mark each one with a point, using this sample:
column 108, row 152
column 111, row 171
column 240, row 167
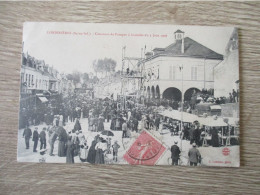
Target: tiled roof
column 178, row 31
column 191, row 49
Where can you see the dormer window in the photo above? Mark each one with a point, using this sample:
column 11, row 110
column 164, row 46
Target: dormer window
column 179, row 35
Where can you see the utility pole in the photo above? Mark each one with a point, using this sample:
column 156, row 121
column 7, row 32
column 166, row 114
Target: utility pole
column 182, row 102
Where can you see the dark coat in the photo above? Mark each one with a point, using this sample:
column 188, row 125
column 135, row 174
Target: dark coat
column 92, row 153
column 27, row 133
column 175, row 152
column 135, row 124
column 42, row 136
column 113, row 124
column 77, row 125
column 62, row 140
column 70, row 152
column 100, row 125
column 157, row 122
column 196, row 136
column 194, row 155
column 35, row 136
column 99, row 158
column 214, row 138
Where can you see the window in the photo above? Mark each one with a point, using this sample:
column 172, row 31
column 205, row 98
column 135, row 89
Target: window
column 29, row 84
column 22, row 77
column 172, row 73
column 26, row 78
column 32, row 80
column 193, row 73
column 36, row 83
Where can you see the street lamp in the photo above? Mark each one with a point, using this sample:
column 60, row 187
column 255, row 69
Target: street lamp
column 181, row 69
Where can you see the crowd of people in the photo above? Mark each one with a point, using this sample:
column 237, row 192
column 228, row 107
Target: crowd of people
column 71, row 143
column 129, row 116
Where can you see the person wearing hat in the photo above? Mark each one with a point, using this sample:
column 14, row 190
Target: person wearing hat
column 194, row 155
column 69, row 151
column 75, row 141
column 92, row 151
column 115, row 147
column 27, row 135
column 83, row 151
column 100, row 149
column 124, row 129
column 35, row 139
column 43, row 138
column 175, row 150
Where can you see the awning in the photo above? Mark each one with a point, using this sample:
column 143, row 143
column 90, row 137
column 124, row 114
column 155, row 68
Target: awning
column 181, row 116
column 211, row 122
column 190, row 118
column 43, row 99
column 215, row 107
column 233, row 121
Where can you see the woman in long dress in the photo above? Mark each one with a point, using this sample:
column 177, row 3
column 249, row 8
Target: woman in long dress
column 214, row 138
column 100, row 124
column 83, row 152
column 77, row 125
column 100, row 149
column 92, row 151
column 70, row 151
column 62, row 141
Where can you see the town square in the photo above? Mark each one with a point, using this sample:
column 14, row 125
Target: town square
column 144, row 100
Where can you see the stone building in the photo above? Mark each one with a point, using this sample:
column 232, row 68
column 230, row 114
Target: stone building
column 177, row 70
column 226, row 74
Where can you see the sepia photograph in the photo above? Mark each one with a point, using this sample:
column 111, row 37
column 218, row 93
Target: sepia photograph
column 131, row 94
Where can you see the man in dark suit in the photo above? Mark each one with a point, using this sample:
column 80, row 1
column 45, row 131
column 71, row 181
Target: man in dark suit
column 27, row 135
column 43, row 138
column 175, row 153
column 35, row 139
column 157, row 123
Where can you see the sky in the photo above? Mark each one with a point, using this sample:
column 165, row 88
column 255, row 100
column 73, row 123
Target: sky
column 85, row 42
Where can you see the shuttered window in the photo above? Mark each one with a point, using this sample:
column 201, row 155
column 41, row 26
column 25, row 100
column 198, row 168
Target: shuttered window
column 193, row 73
column 172, row 73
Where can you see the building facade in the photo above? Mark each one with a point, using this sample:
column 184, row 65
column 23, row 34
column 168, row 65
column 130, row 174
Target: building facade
column 176, row 71
column 227, row 72
column 33, row 75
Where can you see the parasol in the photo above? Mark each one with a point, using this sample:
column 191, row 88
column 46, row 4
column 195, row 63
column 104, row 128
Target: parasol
column 107, row 133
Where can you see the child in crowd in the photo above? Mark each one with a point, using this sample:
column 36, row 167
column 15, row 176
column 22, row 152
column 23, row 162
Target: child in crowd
column 115, row 147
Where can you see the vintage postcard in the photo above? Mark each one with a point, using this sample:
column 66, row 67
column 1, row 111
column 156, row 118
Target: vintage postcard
column 129, row 94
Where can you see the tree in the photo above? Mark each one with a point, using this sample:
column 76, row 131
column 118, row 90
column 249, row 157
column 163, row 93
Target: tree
column 109, row 65
column 104, row 65
column 85, row 77
column 98, row 66
column 95, row 79
column 75, row 77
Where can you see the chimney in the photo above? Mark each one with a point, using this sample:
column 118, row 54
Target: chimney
column 179, row 36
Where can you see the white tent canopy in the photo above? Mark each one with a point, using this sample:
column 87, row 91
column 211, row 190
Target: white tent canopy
column 190, row 118
column 43, row 99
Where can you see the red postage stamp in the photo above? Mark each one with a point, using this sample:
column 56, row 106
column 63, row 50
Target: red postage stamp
column 146, row 150
column 225, row 151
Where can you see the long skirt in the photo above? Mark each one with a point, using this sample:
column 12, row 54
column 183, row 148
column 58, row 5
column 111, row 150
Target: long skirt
column 61, row 149
column 214, row 140
column 91, row 155
column 99, row 157
column 70, row 156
